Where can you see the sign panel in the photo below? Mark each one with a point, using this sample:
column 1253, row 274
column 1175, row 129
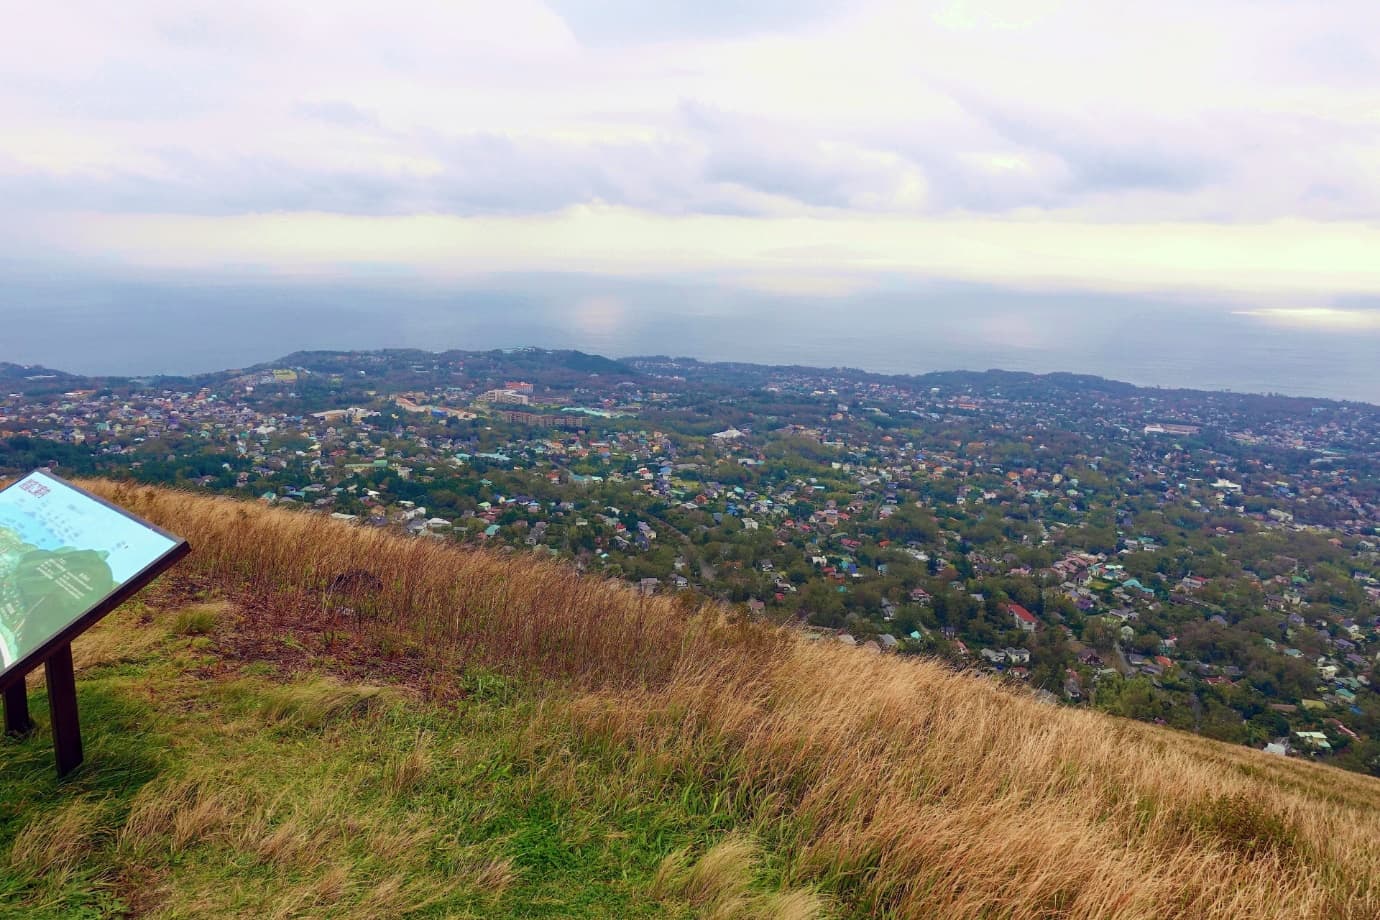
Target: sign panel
column 63, row 553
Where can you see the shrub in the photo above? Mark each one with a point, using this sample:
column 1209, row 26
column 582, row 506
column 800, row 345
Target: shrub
column 1244, row 825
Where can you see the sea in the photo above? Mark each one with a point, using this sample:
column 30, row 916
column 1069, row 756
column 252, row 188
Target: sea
column 184, row 325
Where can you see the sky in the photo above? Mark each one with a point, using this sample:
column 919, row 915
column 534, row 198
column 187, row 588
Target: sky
column 1219, row 152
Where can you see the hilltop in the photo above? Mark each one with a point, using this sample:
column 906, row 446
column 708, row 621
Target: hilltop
column 415, row 366
column 312, row 719
column 34, row 378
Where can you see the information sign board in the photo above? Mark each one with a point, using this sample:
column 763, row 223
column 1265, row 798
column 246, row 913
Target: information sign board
column 67, row 558
column 62, row 552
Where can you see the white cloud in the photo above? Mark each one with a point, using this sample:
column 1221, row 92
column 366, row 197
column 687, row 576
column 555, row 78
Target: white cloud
column 1279, row 258
column 1224, row 144
column 1317, row 318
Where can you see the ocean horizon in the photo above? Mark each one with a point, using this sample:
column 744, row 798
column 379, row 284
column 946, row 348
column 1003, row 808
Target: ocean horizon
column 144, row 327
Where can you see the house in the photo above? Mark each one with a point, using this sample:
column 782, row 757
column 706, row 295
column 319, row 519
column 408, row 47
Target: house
column 1024, row 618
column 1315, row 740
column 1343, row 729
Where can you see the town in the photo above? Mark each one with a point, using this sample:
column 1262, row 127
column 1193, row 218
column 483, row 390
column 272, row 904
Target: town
column 1204, row 560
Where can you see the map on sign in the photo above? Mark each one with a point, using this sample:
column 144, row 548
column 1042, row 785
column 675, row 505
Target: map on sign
column 62, row 552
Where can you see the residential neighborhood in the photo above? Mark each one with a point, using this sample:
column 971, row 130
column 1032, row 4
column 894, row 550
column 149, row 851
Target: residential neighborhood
column 1204, row 560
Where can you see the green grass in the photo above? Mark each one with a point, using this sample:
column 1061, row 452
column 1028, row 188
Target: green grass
column 243, row 795
column 194, row 621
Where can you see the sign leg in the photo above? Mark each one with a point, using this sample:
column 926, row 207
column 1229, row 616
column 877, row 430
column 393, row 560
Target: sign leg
column 62, row 704
column 17, row 721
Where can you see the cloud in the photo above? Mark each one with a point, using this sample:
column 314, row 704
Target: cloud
column 929, row 137
column 763, row 155
column 1281, row 260
column 720, row 164
column 462, row 176
column 1326, row 319
column 612, row 22
column 335, row 111
column 804, row 283
column 1093, row 161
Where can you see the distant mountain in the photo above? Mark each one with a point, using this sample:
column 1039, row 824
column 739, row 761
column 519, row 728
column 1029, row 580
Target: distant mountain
column 514, row 360
column 328, row 361
column 417, row 366
column 991, row 383
column 538, row 358
column 35, row 379
column 10, row 371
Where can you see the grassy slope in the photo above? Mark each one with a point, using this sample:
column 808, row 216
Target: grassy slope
column 495, row 737
column 243, row 795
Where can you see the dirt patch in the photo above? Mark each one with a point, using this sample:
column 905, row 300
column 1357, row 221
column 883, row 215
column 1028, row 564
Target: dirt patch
column 286, row 637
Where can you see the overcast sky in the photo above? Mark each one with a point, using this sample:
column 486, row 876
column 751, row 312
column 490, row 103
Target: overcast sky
column 1226, row 149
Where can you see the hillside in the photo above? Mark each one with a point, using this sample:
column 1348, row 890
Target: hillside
column 308, row 719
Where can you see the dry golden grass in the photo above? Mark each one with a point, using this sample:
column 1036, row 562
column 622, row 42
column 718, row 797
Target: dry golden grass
column 405, row 771
column 521, row 614
column 95, row 648
column 898, row 786
column 493, row 876
column 918, row 792
column 719, row 885
column 311, row 704
column 56, row 844
column 307, row 833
